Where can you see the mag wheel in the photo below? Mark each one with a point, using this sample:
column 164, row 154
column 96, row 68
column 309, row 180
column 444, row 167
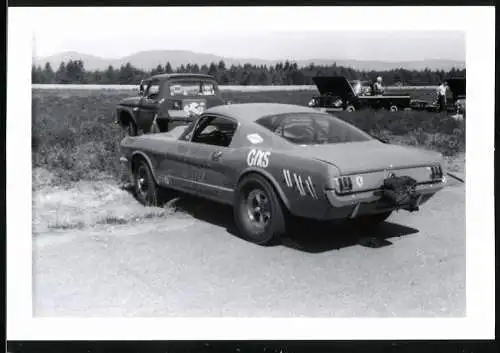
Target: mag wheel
column 145, row 188
column 393, row 108
column 258, row 211
column 350, row 108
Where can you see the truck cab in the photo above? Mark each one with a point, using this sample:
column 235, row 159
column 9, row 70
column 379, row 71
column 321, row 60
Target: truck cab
column 167, row 100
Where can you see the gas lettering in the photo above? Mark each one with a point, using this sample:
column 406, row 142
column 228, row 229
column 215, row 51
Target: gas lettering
column 258, row 158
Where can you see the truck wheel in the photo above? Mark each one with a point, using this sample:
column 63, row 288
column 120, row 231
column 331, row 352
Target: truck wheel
column 350, row 108
column 393, row 108
column 145, row 189
column 258, row 211
column 130, row 128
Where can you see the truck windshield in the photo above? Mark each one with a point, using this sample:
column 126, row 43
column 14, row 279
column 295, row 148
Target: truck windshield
column 313, row 129
column 192, row 88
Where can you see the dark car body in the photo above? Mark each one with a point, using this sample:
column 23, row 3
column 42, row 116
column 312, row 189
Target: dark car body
column 455, row 102
column 337, row 93
column 168, row 100
column 338, row 175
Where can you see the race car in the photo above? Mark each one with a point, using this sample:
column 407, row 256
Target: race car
column 275, row 161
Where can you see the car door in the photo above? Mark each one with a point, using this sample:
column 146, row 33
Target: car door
column 206, row 154
column 148, row 105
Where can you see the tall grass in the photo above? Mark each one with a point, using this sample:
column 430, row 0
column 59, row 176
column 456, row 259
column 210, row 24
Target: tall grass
column 74, row 135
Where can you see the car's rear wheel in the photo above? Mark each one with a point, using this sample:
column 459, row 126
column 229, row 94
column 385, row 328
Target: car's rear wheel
column 373, row 220
column 258, row 211
column 350, row 108
column 393, row 108
column 145, row 188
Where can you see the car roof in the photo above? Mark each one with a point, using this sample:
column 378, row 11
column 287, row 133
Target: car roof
column 174, row 76
column 250, row 112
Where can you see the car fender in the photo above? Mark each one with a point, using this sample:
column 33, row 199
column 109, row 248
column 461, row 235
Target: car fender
column 270, row 178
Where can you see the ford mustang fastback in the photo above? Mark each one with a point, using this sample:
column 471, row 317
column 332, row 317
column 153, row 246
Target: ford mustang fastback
column 274, row 161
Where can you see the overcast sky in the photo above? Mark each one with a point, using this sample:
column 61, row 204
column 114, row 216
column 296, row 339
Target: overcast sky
column 117, row 32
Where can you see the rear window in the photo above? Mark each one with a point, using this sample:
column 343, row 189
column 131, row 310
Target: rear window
column 313, row 129
column 192, row 88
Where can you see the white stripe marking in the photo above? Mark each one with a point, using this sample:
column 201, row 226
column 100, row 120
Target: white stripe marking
column 298, row 185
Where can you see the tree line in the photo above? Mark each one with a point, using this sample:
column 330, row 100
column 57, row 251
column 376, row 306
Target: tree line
column 283, row 73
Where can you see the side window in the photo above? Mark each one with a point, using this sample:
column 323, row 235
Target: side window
column 153, row 90
column 216, row 131
column 298, row 129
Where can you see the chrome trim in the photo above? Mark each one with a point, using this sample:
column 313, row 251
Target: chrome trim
column 201, row 183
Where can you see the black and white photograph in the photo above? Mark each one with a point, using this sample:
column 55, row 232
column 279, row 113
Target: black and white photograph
column 190, row 165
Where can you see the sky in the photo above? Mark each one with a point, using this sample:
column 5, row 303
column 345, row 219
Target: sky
column 239, row 33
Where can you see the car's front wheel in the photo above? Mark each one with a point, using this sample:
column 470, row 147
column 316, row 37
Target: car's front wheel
column 258, row 211
column 393, row 108
column 350, row 108
column 145, row 189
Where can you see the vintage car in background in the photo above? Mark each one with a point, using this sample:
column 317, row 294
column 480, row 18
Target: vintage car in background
column 337, row 93
column 272, row 161
column 455, row 98
column 167, row 100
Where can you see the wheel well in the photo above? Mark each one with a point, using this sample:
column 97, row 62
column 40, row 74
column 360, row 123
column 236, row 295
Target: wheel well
column 271, row 182
column 124, row 118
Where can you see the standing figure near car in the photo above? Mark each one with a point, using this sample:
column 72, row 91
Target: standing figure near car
column 441, row 91
column 378, row 88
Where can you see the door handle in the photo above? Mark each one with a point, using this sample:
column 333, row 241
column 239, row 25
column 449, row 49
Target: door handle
column 216, row 155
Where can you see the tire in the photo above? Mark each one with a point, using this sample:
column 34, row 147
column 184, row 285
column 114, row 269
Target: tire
column 258, row 211
column 129, row 128
column 393, row 108
column 350, row 108
column 145, row 188
column 373, row 220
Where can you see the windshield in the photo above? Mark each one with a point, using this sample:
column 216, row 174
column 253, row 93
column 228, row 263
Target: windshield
column 192, row 88
column 313, row 128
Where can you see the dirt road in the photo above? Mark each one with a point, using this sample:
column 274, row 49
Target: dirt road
column 188, row 263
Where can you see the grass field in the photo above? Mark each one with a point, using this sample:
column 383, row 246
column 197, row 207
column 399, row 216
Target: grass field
column 74, row 136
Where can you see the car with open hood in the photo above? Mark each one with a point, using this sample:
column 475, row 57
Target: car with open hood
column 167, row 100
column 337, row 93
column 273, row 161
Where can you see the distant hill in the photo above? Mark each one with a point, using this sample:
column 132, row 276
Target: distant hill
column 152, row 58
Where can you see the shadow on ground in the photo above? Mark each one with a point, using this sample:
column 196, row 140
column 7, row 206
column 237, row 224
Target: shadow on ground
column 306, row 235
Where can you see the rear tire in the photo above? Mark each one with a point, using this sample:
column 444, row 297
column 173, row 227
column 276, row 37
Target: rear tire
column 350, row 108
column 258, row 211
column 146, row 190
column 393, row 108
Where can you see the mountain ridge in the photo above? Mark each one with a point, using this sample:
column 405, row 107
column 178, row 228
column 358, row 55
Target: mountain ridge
column 150, row 59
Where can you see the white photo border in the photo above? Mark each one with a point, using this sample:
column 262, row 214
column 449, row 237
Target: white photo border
column 478, row 23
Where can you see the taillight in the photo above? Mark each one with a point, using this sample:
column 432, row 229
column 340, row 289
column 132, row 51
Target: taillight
column 436, row 173
column 344, row 184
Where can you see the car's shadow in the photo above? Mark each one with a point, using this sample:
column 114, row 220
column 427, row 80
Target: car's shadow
column 306, row 235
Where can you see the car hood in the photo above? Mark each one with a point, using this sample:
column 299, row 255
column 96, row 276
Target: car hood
column 367, row 156
column 130, row 101
column 457, row 87
column 334, row 85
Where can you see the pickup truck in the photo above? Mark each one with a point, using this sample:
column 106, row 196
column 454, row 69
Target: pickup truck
column 167, row 100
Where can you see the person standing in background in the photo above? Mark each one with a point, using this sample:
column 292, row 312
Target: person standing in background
column 441, row 91
column 378, row 88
